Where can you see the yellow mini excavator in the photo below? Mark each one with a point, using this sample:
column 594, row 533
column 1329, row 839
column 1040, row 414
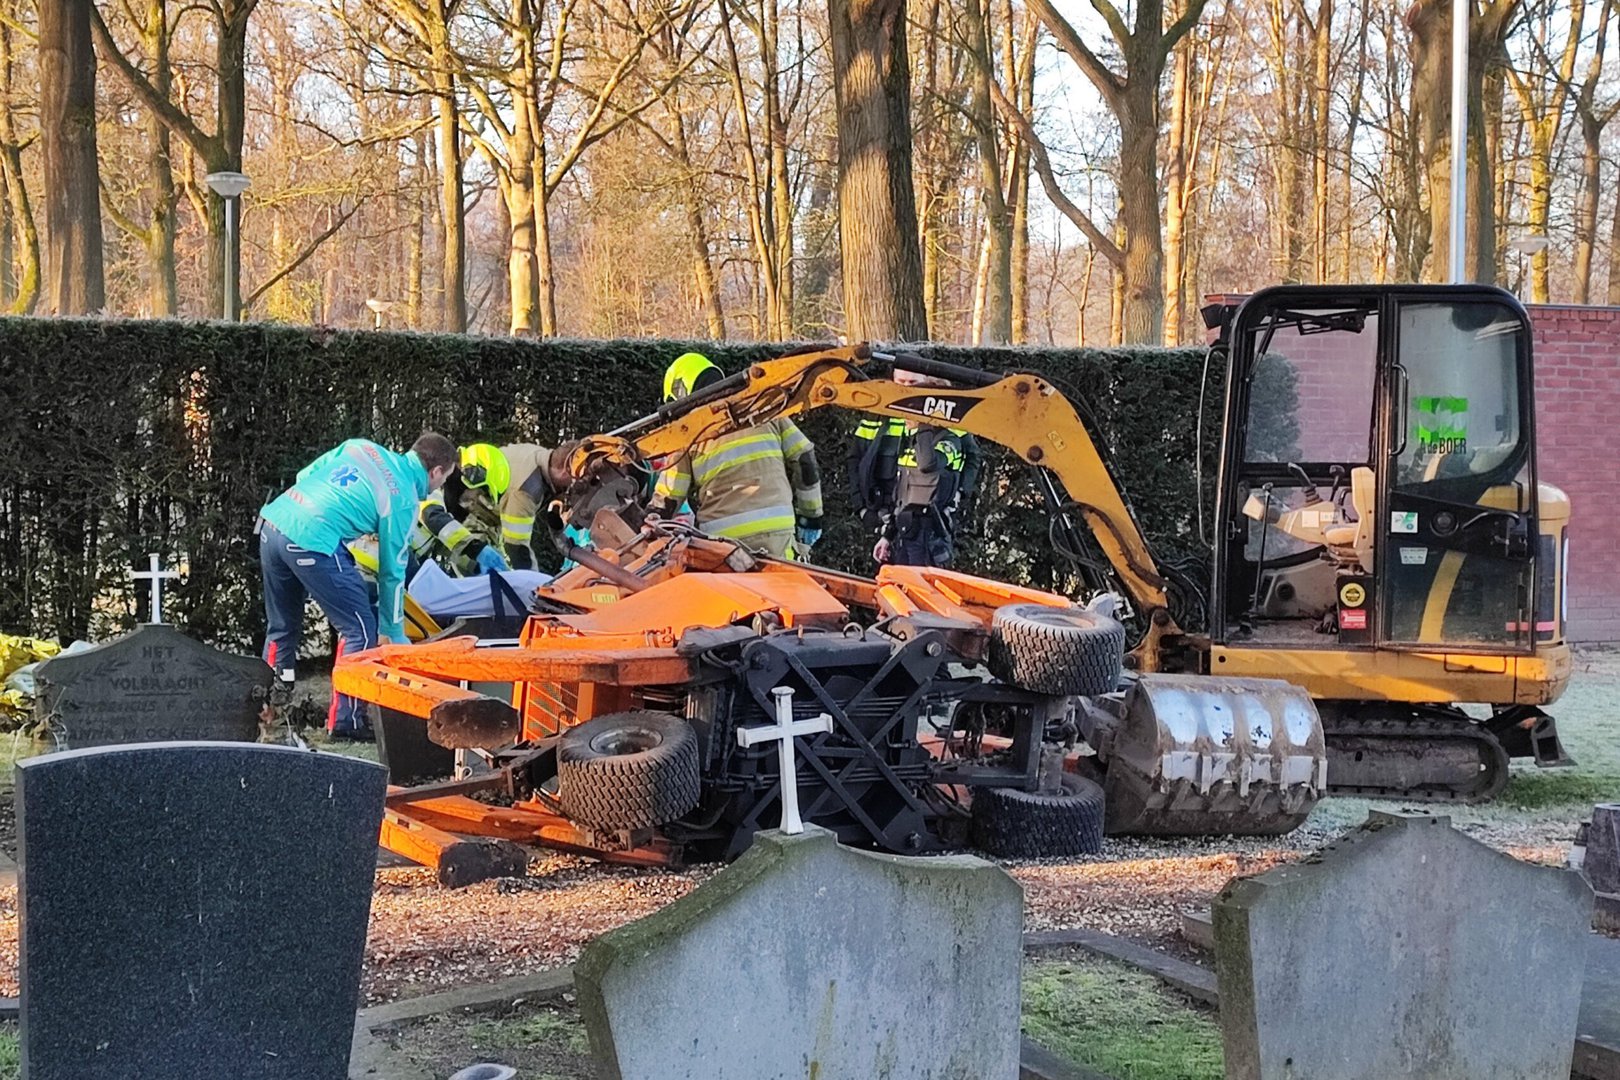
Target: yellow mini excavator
column 1378, row 537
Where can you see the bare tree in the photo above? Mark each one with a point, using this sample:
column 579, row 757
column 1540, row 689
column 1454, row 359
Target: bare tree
column 1132, row 95
column 1543, row 94
column 73, row 266
column 996, row 293
column 219, row 150
column 1430, row 21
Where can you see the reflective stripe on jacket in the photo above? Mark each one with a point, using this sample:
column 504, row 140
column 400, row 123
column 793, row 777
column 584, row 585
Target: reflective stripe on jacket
column 930, row 469
column 753, row 481
column 873, row 460
column 509, row 523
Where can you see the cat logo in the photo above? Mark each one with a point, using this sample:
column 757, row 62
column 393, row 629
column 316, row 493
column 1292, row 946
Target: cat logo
column 947, row 410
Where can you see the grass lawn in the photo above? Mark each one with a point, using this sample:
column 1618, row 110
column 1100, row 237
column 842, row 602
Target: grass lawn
column 1118, row 1021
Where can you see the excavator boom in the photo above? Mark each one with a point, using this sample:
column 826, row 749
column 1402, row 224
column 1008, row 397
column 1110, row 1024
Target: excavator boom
column 1022, row 412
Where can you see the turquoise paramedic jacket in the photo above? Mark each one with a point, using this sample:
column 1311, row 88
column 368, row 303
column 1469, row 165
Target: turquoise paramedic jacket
column 344, row 494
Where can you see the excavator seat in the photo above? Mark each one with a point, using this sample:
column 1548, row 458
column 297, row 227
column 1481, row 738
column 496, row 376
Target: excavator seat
column 1351, row 545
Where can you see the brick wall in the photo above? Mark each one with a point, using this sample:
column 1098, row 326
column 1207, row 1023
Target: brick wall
column 1578, row 449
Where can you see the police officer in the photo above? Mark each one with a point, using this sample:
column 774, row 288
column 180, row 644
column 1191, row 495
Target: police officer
column 913, row 484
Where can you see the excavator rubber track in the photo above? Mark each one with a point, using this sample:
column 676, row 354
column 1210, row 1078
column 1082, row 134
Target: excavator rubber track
column 1426, row 755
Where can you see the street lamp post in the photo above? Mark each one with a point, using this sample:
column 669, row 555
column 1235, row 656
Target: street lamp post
column 379, row 309
column 1458, row 230
column 229, row 187
column 1528, row 247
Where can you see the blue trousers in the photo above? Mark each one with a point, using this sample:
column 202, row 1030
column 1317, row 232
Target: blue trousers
column 291, row 574
column 921, row 539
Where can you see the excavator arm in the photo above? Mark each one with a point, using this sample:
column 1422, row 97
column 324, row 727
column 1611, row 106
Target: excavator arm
column 1022, row 412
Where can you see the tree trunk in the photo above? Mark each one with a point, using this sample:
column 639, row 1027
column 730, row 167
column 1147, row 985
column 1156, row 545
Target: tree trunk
column 1357, row 92
column 820, row 260
column 877, row 214
column 1614, row 251
column 1320, row 100
column 230, row 111
column 930, row 166
column 782, row 205
column 163, row 289
column 544, row 264
column 22, row 289
column 1430, row 21
column 67, row 61
column 996, row 296
column 519, row 187
column 419, row 186
column 1586, row 207
column 1022, row 75
column 697, row 233
column 1175, row 199
column 1142, row 315
column 452, row 210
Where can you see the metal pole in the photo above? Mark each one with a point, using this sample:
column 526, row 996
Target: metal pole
column 1460, row 11
column 231, row 269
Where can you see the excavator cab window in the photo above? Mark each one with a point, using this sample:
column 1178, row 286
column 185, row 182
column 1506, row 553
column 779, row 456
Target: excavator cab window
column 1306, row 416
column 1458, row 537
column 1376, row 485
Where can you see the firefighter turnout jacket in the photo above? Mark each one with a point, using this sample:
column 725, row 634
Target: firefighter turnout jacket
column 512, row 517
column 752, row 486
column 508, row 522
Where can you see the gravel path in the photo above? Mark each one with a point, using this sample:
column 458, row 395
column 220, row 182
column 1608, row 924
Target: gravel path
column 425, row 938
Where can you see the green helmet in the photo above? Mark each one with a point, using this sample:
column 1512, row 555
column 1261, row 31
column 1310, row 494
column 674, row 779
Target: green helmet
column 483, row 465
column 681, row 377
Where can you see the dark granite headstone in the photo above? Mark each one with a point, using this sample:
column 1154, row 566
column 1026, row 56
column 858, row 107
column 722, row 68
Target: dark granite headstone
column 1603, row 865
column 152, row 684
column 192, row 910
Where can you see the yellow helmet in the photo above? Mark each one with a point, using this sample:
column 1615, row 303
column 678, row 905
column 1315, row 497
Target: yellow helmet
column 681, row 377
column 483, row 465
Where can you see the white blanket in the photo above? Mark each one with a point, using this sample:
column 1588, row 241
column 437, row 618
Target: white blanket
column 445, row 597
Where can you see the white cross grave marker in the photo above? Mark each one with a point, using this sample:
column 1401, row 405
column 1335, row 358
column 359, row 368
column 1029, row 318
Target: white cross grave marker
column 783, row 732
column 156, row 575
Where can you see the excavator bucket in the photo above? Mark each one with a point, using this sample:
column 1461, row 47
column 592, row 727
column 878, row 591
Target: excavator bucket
column 1208, row 755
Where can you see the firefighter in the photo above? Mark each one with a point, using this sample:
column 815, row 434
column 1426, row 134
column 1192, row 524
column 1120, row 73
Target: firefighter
column 759, row 486
column 355, row 489
column 499, row 492
column 913, row 485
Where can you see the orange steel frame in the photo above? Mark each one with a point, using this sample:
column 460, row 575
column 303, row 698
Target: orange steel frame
column 598, row 658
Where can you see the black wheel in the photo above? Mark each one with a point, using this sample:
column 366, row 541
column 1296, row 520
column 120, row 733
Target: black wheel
column 630, row 770
column 1017, row 824
column 1056, row 650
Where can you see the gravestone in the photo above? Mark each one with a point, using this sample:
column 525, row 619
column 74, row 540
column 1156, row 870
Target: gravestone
column 1602, row 865
column 152, row 684
column 1406, row 949
column 193, row 909
column 805, row 958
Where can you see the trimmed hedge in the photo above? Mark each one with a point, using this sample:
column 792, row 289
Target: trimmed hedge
column 124, row 437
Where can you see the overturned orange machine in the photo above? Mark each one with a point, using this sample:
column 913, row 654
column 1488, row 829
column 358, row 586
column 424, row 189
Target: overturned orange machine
column 632, row 681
